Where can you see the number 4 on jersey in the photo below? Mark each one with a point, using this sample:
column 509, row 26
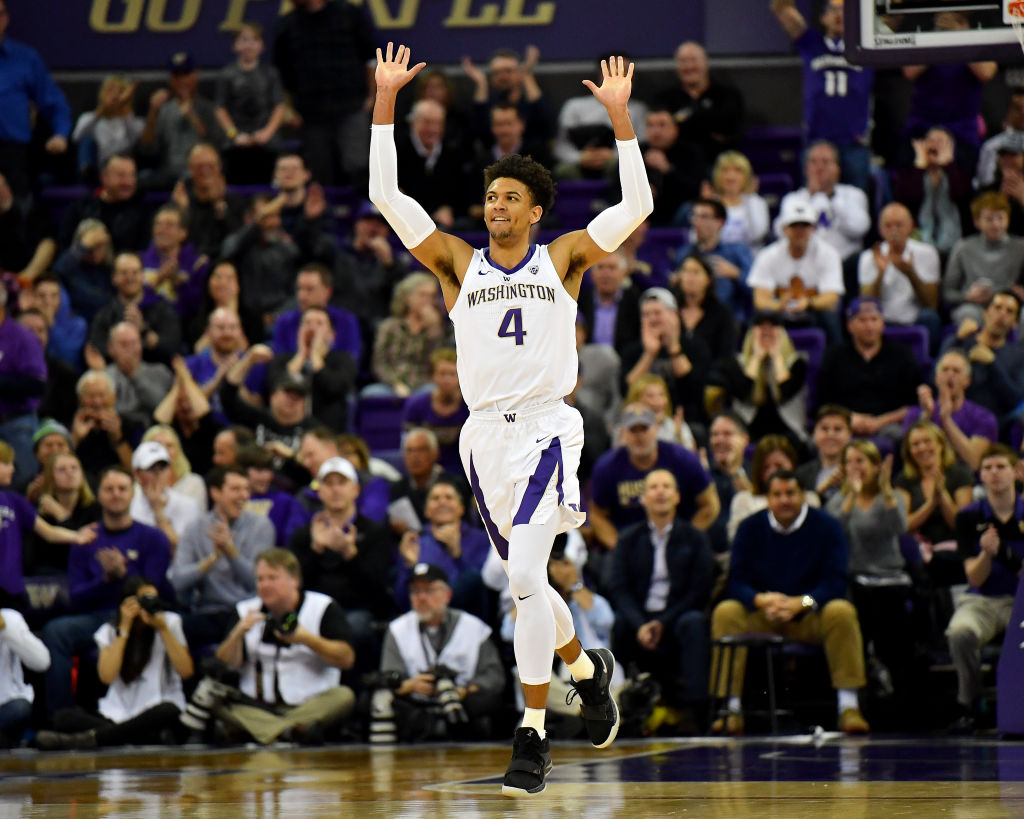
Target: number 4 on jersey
column 512, row 325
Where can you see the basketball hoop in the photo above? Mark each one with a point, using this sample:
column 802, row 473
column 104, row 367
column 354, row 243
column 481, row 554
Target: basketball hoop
column 1013, row 13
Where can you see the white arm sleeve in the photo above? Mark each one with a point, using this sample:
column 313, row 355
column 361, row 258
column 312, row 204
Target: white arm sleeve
column 411, row 223
column 611, row 227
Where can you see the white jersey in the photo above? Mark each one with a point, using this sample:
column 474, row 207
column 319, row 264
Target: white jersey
column 515, row 332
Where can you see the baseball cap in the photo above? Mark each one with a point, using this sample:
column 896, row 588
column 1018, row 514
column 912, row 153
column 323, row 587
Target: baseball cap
column 292, row 382
column 428, row 572
column 340, row 466
column 181, row 62
column 861, row 303
column 368, row 210
column 50, row 426
column 150, row 453
column 659, row 294
column 795, row 212
column 634, row 418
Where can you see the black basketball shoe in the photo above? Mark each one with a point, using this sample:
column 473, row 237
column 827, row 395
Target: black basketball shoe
column 531, row 762
column 598, row 708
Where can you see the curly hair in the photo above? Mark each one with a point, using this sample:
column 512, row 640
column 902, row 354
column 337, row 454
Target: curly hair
column 528, row 171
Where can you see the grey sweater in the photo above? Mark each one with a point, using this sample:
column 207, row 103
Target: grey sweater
column 873, row 534
column 974, row 258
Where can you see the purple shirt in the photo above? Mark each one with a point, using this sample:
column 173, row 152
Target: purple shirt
column 190, row 293
column 283, row 510
column 17, row 517
column 203, row 368
column 603, row 331
column 475, row 546
column 419, row 412
column 837, row 95
column 947, row 95
column 617, row 485
column 21, row 354
column 973, row 419
column 346, row 332
column 147, row 554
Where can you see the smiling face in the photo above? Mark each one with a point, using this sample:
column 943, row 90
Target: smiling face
column 508, row 209
column 127, row 276
column 444, row 505
column 229, row 500
column 924, row 450
column 859, row 467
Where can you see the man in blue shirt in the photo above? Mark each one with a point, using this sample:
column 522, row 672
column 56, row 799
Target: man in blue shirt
column 25, row 81
column 96, row 573
column 837, row 95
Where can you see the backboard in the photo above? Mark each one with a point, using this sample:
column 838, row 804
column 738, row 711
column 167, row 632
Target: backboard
column 923, row 32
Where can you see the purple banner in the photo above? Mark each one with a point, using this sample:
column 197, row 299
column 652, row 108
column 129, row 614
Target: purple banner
column 142, row 34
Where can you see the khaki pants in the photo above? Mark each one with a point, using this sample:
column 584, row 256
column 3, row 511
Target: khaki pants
column 978, row 620
column 835, row 627
column 265, row 726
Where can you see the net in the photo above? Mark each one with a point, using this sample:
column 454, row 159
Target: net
column 1013, row 13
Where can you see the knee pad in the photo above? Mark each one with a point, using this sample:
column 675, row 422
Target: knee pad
column 525, row 580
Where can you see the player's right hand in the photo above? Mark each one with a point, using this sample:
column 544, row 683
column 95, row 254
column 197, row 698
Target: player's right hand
column 393, row 72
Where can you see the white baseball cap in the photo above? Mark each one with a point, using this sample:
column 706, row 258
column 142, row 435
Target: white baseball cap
column 150, row 453
column 339, row 465
column 796, row 212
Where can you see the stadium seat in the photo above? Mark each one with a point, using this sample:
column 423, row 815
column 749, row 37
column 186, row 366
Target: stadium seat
column 578, row 200
column 812, row 341
column 379, row 421
column 916, row 338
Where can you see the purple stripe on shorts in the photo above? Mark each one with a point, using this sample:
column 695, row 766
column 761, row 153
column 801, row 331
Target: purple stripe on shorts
column 499, row 542
column 550, row 460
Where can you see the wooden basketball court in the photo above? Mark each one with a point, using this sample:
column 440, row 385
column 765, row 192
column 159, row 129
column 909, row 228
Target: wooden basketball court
column 806, row 776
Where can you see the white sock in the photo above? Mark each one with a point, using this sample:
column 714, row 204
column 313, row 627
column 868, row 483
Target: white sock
column 734, row 705
column 534, row 718
column 582, row 668
column 848, row 699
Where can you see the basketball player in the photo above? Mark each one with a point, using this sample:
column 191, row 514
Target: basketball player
column 513, row 305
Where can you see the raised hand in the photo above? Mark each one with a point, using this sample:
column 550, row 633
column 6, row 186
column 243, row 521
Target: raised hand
column 393, row 72
column 616, row 83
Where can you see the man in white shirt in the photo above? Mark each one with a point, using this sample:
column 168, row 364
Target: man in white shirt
column 154, row 502
column 799, row 276
column 902, row 273
column 843, row 216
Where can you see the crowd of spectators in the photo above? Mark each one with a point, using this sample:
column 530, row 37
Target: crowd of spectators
column 189, row 515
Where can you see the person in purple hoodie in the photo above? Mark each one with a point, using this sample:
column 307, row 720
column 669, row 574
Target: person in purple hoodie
column 96, row 572
column 171, row 266
column 443, row 411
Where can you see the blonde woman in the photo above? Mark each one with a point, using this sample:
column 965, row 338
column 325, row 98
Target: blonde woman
column 766, row 384
column 735, row 186
column 112, row 127
column 406, row 340
column 65, row 499
column 934, row 486
column 652, row 390
column 183, row 479
column 874, row 516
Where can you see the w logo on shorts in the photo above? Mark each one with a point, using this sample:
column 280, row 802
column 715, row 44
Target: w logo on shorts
column 510, row 417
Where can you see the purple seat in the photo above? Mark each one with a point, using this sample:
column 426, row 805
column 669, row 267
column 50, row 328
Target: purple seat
column 379, row 421
column 812, row 342
column 578, row 200
column 774, row 149
column 916, row 338
column 773, row 186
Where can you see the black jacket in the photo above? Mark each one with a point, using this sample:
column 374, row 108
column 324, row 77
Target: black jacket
column 691, row 569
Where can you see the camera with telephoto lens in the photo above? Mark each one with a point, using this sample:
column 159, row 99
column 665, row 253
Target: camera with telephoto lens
column 150, row 603
column 383, row 685
column 447, row 696
column 284, row 623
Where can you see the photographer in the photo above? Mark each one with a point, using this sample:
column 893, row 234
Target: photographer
column 290, row 646
column 144, row 676
column 447, row 666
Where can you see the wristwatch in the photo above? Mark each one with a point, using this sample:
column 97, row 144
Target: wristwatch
column 576, row 587
column 808, row 603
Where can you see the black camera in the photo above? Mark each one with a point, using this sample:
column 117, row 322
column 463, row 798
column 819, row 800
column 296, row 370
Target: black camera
column 284, row 623
column 447, row 696
column 150, row 603
column 383, row 679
